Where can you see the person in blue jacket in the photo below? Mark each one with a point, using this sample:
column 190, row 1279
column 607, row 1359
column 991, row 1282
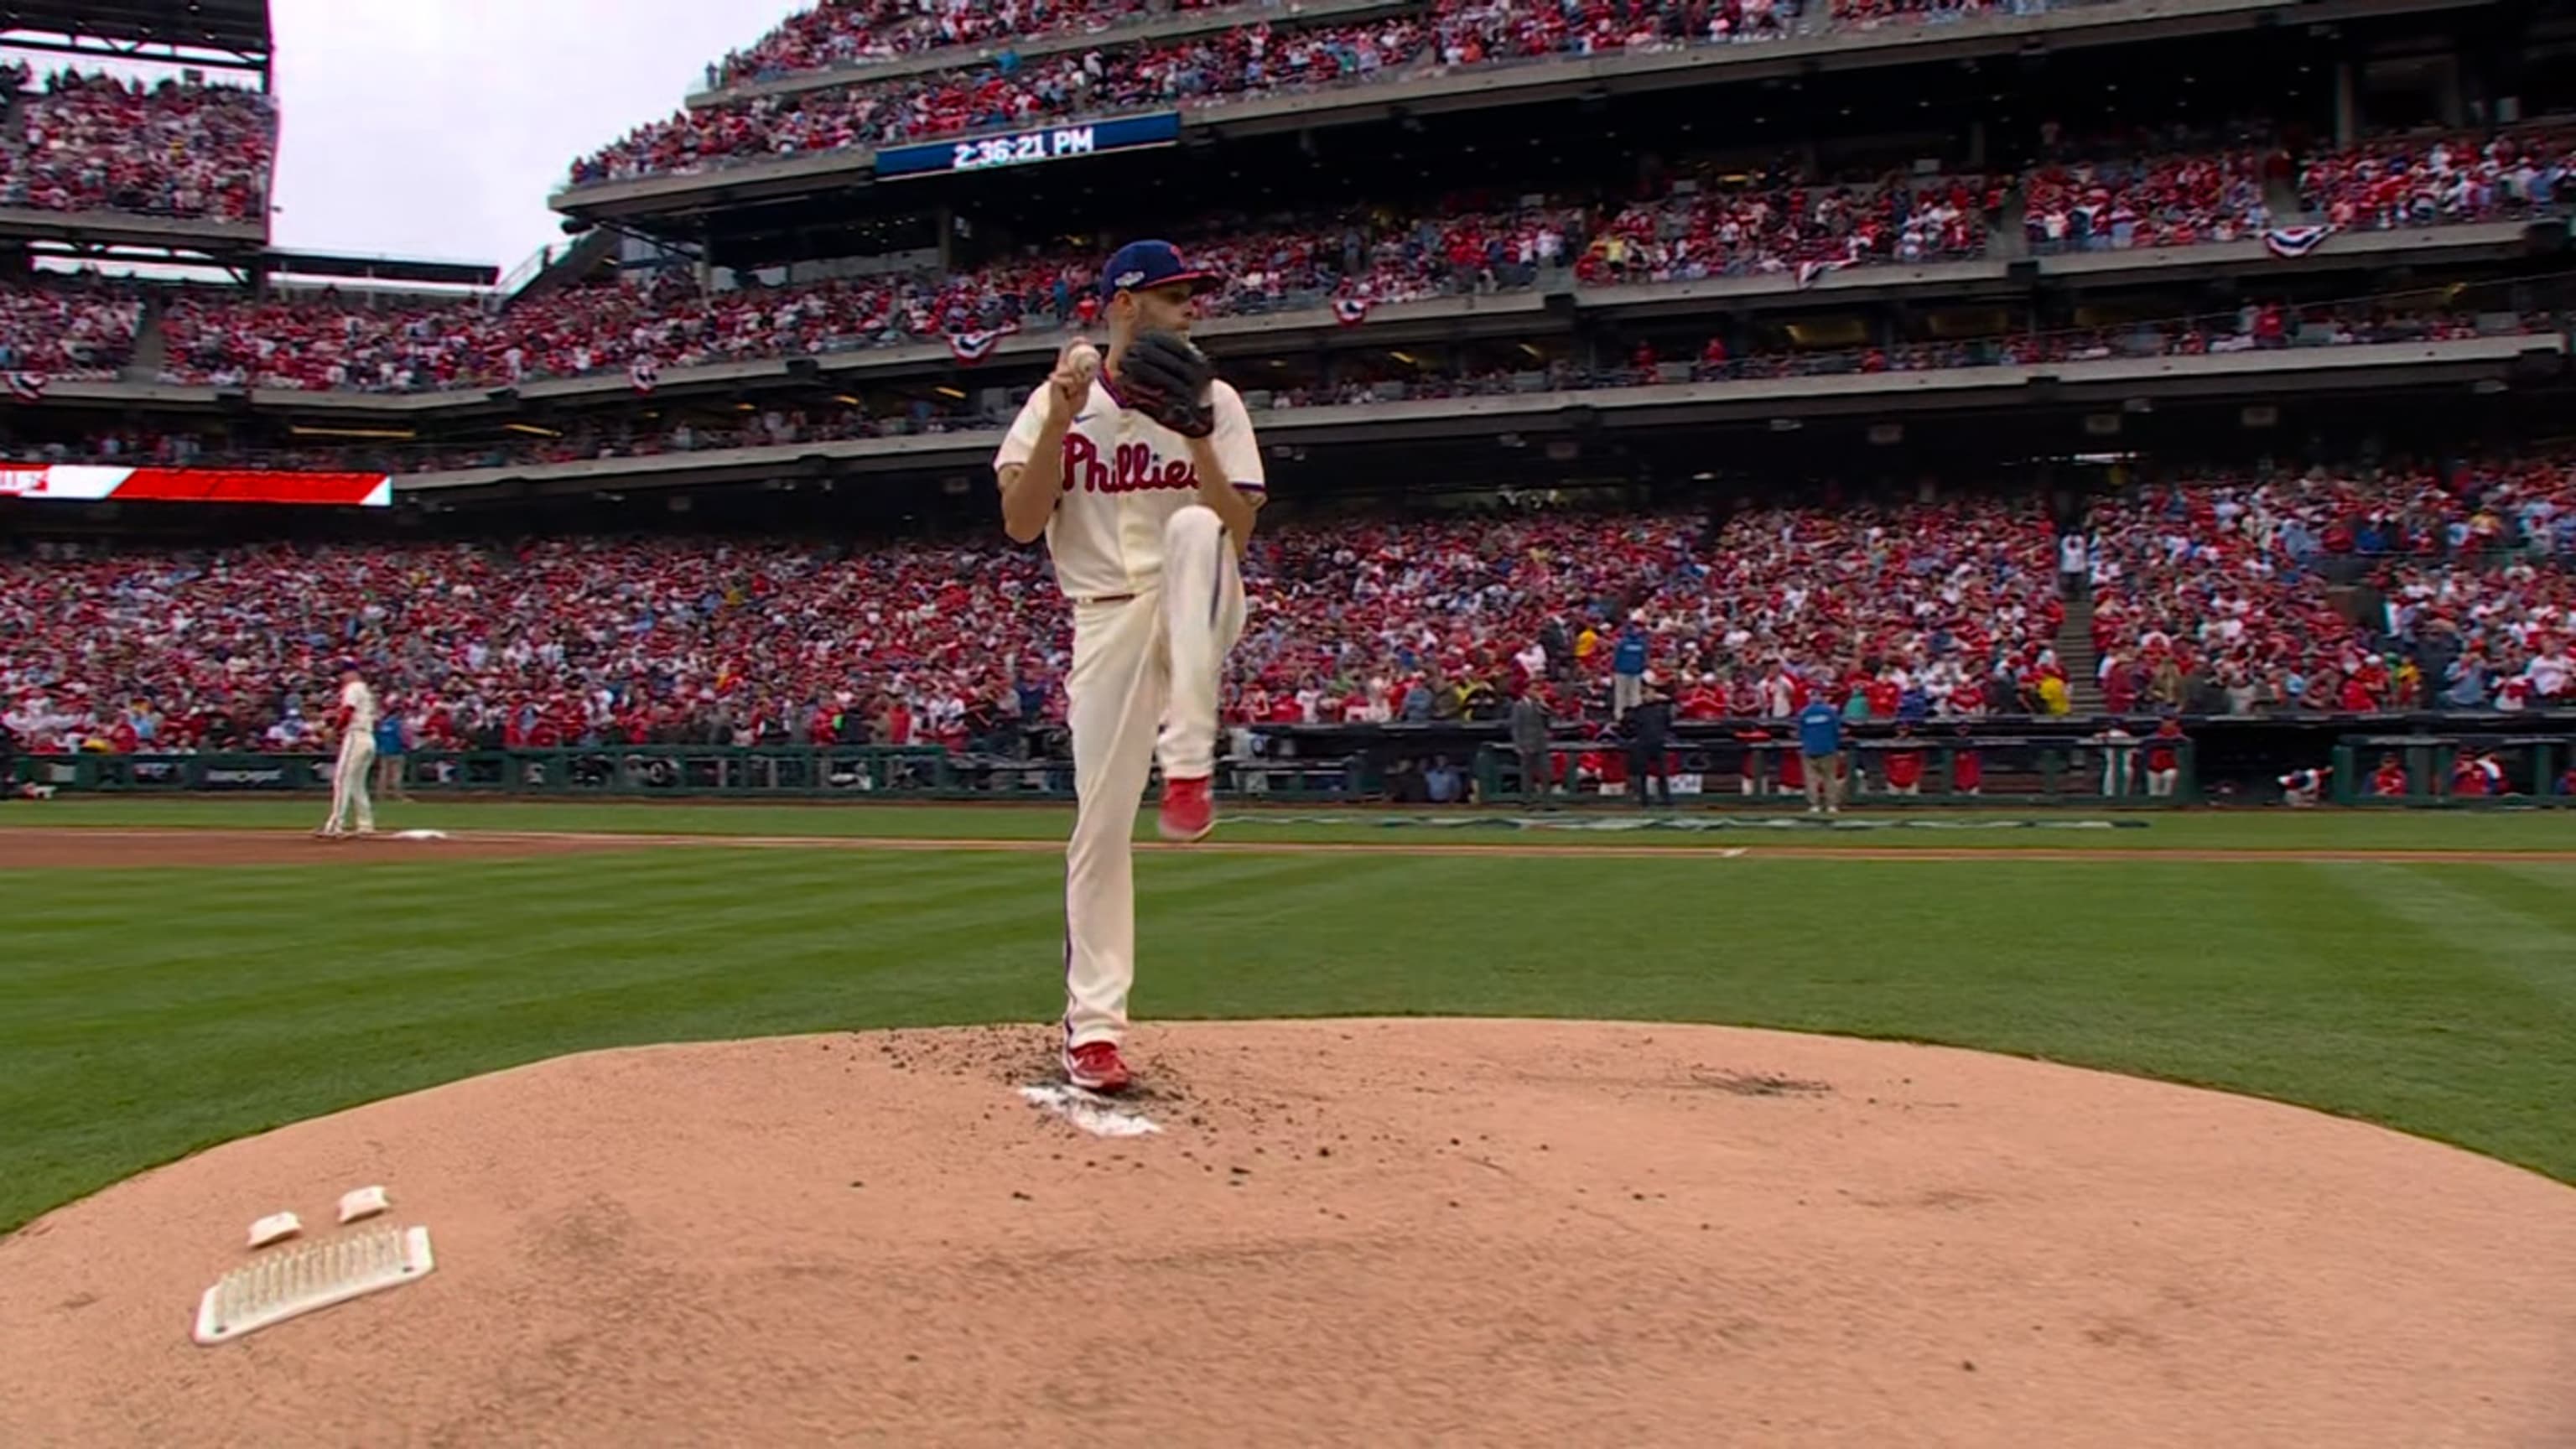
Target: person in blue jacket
column 1820, row 741
column 1628, row 669
column 391, row 745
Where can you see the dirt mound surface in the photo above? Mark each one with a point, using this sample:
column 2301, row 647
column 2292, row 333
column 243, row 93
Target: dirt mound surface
column 1338, row 1232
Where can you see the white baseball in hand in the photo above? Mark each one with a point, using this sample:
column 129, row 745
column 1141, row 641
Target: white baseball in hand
column 1083, row 361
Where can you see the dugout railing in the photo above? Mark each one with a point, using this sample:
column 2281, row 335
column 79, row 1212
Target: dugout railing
column 1996, row 769
column 1946, row 769
column 1996, row 762
column 2453, row 770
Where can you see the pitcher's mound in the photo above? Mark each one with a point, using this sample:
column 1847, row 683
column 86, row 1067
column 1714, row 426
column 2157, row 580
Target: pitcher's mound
column 1342, row 1232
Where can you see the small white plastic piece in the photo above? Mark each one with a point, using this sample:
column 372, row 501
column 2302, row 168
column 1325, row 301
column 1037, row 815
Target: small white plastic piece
column 280, row 1286
column 276, row 1227
column 362, row 1202
column 1098, row 1115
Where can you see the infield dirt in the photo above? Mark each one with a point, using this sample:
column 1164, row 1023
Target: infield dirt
column 1431, row 1232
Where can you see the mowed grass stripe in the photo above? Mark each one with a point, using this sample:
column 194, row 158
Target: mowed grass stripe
column 334, row 988
column 455, row 905
column 2501, row 915
column 2507, row 1052
column 2276, row 830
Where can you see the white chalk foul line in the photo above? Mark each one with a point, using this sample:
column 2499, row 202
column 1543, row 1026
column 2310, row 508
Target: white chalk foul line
column 1089, row 1111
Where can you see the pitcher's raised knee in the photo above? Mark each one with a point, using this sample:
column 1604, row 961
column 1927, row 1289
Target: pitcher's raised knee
column 1195, row 526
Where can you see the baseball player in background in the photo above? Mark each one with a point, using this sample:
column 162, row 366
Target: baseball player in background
column 355, row 717
column 1142, row 473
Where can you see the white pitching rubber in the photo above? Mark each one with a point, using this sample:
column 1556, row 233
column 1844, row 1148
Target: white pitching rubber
column 278, row 1286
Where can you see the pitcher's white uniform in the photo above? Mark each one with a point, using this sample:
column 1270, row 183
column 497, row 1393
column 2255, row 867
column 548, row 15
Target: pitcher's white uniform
column 358, row 718
column 1157, row 602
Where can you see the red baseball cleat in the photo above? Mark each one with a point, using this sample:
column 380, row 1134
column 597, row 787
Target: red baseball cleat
column 1096, row 1066
column 1188, row 813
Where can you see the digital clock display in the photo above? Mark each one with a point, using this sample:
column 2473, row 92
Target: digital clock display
column 1026, row 148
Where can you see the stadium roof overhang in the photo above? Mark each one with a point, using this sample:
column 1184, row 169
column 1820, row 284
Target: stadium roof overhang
column 380, row 269
column 222, row 34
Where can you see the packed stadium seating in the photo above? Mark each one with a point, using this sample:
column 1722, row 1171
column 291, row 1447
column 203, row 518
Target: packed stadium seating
column 1254, row 58
column 843, row 33
column 305, row 352
column 835, row 35
column 173, row 149
column 329, row 341
column 2410, row 181
column 1947, row 609
column 2161, row 201
column 1721, row 230
column 2231, row 581
column 68, row 327
column 1705, row 228
column 1361, row 380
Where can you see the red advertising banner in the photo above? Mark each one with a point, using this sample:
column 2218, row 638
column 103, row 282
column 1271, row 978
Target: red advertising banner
column 89, row 484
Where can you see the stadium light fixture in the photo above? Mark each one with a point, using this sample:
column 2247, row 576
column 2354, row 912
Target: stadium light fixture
column 399, row 435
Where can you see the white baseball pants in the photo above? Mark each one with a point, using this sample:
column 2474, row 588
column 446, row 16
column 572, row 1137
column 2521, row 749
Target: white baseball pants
column 349, row 783
column 1144, row 688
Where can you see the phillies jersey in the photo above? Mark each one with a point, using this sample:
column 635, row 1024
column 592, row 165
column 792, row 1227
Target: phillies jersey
column 358, row 705
column 1125, row 475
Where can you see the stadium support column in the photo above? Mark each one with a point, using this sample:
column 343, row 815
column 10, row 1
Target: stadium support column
column 2347, row 124
column 2447, row 101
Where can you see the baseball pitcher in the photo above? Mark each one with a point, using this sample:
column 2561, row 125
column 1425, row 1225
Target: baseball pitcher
column 356, row 718
column 1143, row 475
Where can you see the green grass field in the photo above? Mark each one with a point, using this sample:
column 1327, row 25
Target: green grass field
column 149, row 1013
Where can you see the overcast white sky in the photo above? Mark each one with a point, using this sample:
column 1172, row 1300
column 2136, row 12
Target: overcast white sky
column 437, row 128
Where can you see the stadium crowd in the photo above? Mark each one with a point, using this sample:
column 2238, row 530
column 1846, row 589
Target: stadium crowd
column 68, row 327
column 2415, row 182
column 2159, row 201
column 841, row 33
column 1702, row 226
column 171, row 148
column 2207, row 593
column 1358, row 380
column 331, row 341
column 1013, row 92
column 838, row 35
column 2219, row 598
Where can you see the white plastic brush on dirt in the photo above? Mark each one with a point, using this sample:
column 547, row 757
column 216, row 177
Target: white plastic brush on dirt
column 297, row 1280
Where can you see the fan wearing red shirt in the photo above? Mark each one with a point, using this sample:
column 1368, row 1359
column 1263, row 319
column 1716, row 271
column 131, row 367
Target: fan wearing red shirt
column 1755, row 758
column 1904, row 765
column 2388, row 782
column 1967, row 768
column 1883, row 696
column 2467, row 780
column 2164, row 758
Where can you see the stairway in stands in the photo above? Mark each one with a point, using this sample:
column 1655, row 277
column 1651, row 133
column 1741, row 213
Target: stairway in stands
column 151, row 348
column 2281, row 194
column 2076, row 656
